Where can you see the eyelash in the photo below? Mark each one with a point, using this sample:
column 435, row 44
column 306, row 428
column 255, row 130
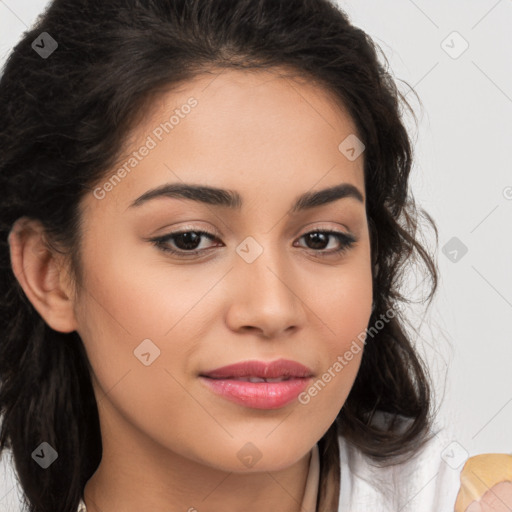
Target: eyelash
column 347, row 242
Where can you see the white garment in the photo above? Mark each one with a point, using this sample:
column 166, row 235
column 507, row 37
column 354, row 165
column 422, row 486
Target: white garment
column 425, row 483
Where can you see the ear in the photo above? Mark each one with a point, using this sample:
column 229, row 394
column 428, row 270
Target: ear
column 42, row 274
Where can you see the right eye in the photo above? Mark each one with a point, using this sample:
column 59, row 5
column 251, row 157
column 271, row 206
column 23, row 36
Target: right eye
column 188, row 240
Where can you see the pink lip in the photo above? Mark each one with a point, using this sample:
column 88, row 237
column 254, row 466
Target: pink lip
column 274, row 369
column 226, row 382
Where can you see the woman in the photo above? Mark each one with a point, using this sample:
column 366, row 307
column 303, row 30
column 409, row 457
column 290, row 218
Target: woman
column 205, row 224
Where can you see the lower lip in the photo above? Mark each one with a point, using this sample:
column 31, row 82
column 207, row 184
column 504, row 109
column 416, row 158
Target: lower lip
column 258, row 395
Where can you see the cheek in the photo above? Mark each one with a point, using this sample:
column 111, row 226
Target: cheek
column 137, row 293
column 138, row 369
column 342, row 303
column 140, row 322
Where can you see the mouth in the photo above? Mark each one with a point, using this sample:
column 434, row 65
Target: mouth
column 280, row 369
column 257, row 384
column 254, row 379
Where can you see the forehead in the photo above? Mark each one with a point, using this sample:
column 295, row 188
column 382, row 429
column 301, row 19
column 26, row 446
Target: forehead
column 261, row 103
column 233, row 128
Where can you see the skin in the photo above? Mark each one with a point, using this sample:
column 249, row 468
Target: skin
column 486, row 484
column 169, row 443
column 497, row 499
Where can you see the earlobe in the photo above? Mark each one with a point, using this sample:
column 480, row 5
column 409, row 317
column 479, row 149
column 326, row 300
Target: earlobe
column 41, row 274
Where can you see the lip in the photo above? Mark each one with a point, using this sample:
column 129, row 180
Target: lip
column 272, row 370
column 226, row 382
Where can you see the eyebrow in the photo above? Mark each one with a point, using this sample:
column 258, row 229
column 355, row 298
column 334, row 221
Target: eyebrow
column 231, row 199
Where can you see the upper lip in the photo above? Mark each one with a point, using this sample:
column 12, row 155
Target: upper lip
column 261, row 369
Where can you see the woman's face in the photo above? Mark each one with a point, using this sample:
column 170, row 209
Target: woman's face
column 267, row 282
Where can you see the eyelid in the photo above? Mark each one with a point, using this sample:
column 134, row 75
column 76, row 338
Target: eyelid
column 323, row 226
column 187, row 228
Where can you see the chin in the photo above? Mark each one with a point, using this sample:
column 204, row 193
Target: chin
column 264, row 456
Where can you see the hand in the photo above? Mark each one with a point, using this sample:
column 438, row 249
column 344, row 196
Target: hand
column 486, row 484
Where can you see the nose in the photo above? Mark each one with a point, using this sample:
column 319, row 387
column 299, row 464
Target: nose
column 266, row 296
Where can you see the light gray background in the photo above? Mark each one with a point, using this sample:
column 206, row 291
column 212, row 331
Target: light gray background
column 462, row 177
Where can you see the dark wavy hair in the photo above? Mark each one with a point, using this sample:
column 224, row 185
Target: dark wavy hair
column 66, row 119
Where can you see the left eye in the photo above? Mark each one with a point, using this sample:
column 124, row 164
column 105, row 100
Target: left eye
column 187, row 242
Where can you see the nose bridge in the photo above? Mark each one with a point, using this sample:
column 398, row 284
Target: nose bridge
column 266, row 297
column 264, row 265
